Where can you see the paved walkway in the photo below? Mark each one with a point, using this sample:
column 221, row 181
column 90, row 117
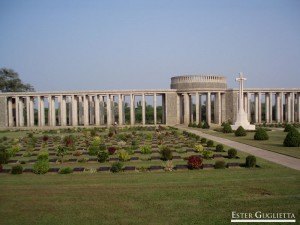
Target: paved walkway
column 284, row 160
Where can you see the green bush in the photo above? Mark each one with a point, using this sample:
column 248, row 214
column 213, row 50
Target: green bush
column 145, row 149
column 199, row 125
column 18, row 169
column 93, row 150
column 205, row 125
column 123, row 156
column 220, row 164
column 43, row 156
column 292, row 139
column 227, row 128
column 219, row 148
column 166, row 153
column 4, row 155
column 102, row 147
column 203, row 140
column 240, row 132
column 261, row 134
column 41, row 167
column 116, row 167
column 65, row 170
column 288, row 127
column 232, row 153
column 199, row 148
column 250, row 161
column 210, row 143
column 207, row 154
column 102, row 156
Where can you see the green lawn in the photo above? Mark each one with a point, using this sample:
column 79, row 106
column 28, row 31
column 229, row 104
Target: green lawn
column 274, row 144
column 182, row 197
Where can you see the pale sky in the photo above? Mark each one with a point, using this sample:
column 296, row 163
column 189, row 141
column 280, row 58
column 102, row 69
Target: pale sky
column 141, row 44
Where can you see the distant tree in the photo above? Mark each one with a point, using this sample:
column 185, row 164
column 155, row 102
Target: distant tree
column 10, row 82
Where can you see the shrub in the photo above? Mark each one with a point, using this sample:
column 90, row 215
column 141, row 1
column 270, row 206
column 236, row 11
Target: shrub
column 210, row 143
column 93, row 150
column 288, row 127
column 219, row 148
column 18, row 169
column 1, row 168
column 4, row 155
column 169, row 166
column 199, row 125
column 65, row 170
column 227, row 128
column 261, row 134
column 102, row 156
column 93, row 133
column 111, row 150
column 194, row 162
column 43, row 156
column 250, row 161
column 207, row 154
column 232, row 153
column 205, row 125
column 292, row 139
column 166, row 153
column 203, row 140
column 102, row 147
column 199, row 148
column 240, row 132
column 220, row 164
column 146, row 149
column 45, row 138
column 41, row 167
column 123, row 156
column 13, row 150
column 61, row 152
column 116, row 167
column 69, row 140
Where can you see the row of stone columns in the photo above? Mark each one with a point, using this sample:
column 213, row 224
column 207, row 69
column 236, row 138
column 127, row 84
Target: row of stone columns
column 283, row 112
column 187, row 107
column 82, row 110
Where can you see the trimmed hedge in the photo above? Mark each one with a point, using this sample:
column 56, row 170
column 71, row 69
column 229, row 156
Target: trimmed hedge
column 240, row 132
column 220, row 164
column 116, row 167
column 210, row 143
column 292, row 139
column 250, row 161
column 261, row 134
column 288, row 127
column 65, row 170
column 232, row 153
column 18, row 169
column 227, row 128
column 219, row 148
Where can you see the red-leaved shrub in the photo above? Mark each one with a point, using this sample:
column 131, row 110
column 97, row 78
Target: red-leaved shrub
column 111, row 150
column 194, row 162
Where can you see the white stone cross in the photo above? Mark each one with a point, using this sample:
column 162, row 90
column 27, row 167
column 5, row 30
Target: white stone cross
column 241, row 79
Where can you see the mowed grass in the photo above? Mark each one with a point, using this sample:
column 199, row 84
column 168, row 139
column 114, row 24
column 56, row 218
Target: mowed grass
column 181, row 197
column 274, row 144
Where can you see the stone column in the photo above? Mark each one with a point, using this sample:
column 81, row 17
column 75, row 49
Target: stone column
column 288, row 107
column 91, row 110
column 31, row 111
column 120, row 109
column 292, row 107
column 154, row 109
column 223, row 106
column 208, row 108
column 108, row 110
column 112, row 105
column 85, row 110
column 298, row 107
column 10, row 112
column 74, row 111
column 41, row 111
column 97, row 112
column 50, row 111
column 63, row 115
column 271, row 107
column 143, row 109
column 259, row 107
column 186, row 101
column 217, row 108
column 53, row 113
column 200, row 108
column 163, row 103
column 267, row 103
column 102, row 110
column 21, row 112
column 197, row 107
column 277, row 96
column 132, row 110
column 281, row 107
column 256, row 107
column 28, row 111
column 17, row 111
column 249, row 106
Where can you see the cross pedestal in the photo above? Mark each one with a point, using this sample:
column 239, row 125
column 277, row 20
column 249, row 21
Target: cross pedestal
column 242, row 117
